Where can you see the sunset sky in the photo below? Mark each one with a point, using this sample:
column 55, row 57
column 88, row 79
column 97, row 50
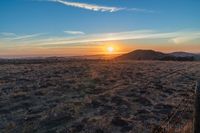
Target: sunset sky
column 89, row 27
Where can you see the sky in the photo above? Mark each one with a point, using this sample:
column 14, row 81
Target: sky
column 87, row 27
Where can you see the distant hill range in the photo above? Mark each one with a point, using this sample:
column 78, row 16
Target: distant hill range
column 134, row 55
column 156, row 55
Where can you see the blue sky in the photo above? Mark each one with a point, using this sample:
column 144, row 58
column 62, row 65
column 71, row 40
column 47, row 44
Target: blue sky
column 26, row 21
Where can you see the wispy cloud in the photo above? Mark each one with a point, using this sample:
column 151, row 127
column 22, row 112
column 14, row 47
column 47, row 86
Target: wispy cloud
column 130, row 35
column 74, row 32
column 27, row 36
column 139, row 10
column 184, row 38
column 13, row 36
column 43, row 41
column 117, row 36
column 89, row 6
column 94, row 7
column 7, row 34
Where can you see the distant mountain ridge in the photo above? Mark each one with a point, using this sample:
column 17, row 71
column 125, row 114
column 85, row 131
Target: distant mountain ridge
column 156, row 55
column 182, row 54
column 186, row 54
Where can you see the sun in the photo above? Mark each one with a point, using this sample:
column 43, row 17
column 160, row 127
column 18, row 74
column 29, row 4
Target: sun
column 110, row 49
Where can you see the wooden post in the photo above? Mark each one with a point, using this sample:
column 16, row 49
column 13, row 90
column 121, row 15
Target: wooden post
column 196, row 119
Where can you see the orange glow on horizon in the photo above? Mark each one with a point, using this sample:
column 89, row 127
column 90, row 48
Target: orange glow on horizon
column 102, row 48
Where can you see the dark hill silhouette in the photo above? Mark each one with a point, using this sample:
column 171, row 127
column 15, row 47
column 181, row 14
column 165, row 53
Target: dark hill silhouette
column 152, row 55
column 186, row 54
column 182, row 54
column 143, row 55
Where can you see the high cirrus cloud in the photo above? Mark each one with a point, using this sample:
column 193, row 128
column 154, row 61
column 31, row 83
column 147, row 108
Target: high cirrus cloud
column 94, row 7
column 74, row 32
column 89, row 6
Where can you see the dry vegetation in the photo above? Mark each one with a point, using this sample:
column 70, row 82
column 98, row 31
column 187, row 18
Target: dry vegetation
column 96, row 96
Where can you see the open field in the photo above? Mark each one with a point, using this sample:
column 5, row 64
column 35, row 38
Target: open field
column 95, row 96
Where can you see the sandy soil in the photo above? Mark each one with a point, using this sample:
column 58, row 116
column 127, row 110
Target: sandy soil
column 94, row 96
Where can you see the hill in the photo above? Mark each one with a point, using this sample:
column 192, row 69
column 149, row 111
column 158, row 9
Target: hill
column 156, row 55
column 182, row 54
column 143, row 55
column 186, row 54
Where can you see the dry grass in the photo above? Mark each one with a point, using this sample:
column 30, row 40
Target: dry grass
column 96, row 96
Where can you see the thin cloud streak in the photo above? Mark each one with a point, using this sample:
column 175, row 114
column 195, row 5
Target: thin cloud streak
column 186, row 38
column 74, row 32
column 118, row 36
column 7, row 34
column 28, row 36
column 108, row 37
column 89, row 6
column 139, row 10
column 13, row 36
column 94, row 7
column 174, row 37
